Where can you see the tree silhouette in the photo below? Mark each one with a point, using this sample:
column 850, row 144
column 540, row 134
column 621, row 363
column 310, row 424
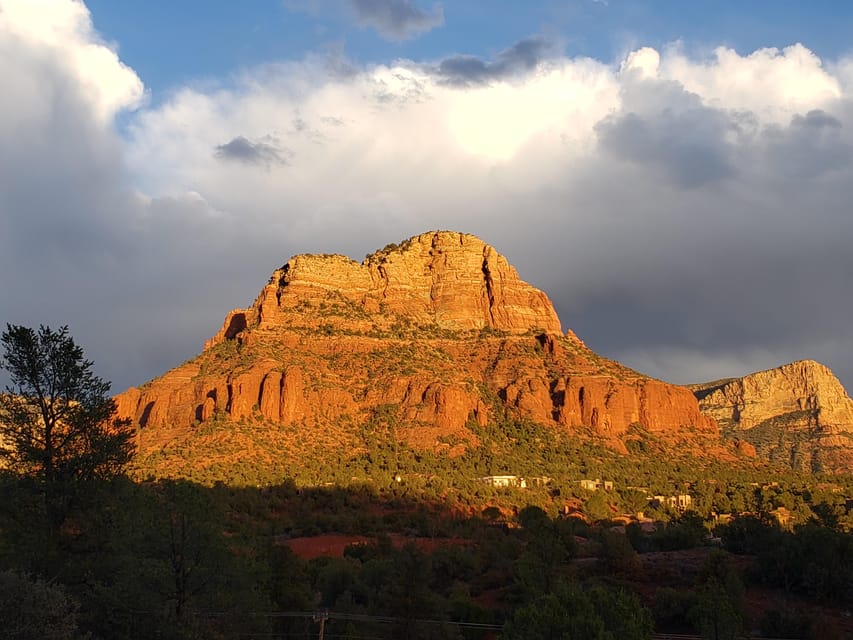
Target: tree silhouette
column 57, row 423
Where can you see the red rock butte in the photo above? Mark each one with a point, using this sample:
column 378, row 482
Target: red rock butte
column 452, row 280
column 436, row 334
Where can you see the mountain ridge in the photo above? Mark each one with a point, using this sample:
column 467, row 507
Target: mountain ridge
column 798, row 412
column 436, row 338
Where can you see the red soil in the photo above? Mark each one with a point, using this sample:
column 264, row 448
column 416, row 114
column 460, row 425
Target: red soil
column 332, row 545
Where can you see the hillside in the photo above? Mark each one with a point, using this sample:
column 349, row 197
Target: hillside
column 797, row 414
column 432, row 342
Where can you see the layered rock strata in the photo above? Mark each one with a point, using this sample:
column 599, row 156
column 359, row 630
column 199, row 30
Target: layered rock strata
column 798, row 413
column 438, row 334
column 450, row 280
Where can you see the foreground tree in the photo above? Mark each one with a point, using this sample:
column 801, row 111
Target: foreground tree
column 57, row 423
column 578, row 612
column 32, row 609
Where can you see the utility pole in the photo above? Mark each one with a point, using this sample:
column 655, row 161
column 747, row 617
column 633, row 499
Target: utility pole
column 322, row 617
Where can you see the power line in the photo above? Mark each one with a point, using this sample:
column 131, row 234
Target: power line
column 363, row 617
column 324, row 615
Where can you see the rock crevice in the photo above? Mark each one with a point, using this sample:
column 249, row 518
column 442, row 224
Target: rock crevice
column 798, row 411
column 438, row 332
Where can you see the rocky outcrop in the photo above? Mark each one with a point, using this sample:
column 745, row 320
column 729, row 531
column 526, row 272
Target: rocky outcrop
column 609, row 406
column 797, row 412
column 430, row 340
column 805, row 387
column 452, row 281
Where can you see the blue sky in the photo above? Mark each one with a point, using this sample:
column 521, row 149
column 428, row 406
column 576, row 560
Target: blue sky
column 173, row 43
column 675, row 175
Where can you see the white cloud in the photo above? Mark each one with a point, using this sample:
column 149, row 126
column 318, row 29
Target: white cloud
column 645, row 62
column 771, row 83
column 674, row 208
column 606, row 181
column 62, row 31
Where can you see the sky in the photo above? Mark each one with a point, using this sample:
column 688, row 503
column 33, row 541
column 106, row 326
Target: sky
column 676, row 176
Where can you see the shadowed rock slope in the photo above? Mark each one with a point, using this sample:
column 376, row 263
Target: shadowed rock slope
column 797, row 414
column 437, row 336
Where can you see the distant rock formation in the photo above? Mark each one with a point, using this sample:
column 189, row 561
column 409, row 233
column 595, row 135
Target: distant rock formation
column 436, row 336
column 797, row 413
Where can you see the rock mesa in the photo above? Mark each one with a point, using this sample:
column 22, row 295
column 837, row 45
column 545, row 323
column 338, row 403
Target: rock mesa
column 437, row 336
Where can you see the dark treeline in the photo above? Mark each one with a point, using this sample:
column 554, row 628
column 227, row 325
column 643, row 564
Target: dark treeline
column 171, row 559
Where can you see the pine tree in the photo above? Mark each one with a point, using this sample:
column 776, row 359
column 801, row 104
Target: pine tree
column 57, row 423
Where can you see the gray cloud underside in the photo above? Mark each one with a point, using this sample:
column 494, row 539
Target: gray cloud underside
column 467, row 70
column 692, row 241
column 694, row 252
column 242, row 149
column 396, row 19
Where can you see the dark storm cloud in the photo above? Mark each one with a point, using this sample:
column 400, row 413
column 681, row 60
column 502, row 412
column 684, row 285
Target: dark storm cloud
column 664, row 127
column 811, row 146
column 134, row 278
column 62, row 226
column 816, row 119
column 689, row 240
column 396, row 19
column 712, row 278
column 243, row 150
column 466, row 70
column 689, row 148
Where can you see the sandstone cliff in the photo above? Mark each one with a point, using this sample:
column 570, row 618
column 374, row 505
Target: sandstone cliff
column 797, row 413
column 446, row 280
column 438, row 335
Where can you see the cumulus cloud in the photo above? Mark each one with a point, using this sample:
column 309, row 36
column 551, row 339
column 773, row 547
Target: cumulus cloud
column 687, row 215
column 62, row 31
column 659, row 217
column 79, row 245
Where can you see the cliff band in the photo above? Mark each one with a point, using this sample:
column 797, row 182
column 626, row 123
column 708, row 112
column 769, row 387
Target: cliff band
column 438, row 333
column 798, row 414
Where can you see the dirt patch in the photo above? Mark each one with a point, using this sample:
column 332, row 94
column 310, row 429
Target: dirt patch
column 328, row 546
column 332, row 545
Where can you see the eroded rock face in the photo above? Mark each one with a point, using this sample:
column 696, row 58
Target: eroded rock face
column 798, row 411
column 450, row 280
column 431, row 339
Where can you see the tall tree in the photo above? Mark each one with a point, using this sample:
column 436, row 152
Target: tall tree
column 57, row 422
